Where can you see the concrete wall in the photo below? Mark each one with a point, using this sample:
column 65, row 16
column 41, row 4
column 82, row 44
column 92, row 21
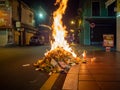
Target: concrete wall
column 28, row 36
column 118, row 31
column 16, row 39
column 86, row 29
column 27, row 15
column 15, row 10
column 3, row 37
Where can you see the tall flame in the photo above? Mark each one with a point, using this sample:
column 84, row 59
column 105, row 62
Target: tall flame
column 59, row 31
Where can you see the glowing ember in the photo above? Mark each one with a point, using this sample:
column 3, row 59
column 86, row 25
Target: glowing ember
column 59, row 31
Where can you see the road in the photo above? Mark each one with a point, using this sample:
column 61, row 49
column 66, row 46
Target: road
column 17, row 71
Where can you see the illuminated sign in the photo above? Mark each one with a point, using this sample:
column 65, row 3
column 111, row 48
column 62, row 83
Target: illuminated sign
column 118, row 5
column 108, row 40
column 5, row 17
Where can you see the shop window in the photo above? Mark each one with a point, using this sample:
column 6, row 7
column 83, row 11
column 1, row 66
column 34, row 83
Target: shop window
column 95, row 9
column 111, row 11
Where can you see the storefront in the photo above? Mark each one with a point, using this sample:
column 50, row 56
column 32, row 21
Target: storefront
column 6, row 32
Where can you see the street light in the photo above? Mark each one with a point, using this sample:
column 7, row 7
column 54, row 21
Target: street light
column 72, row 22
column 41, row 15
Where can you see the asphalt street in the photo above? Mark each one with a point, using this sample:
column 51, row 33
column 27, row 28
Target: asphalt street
column 16, row 68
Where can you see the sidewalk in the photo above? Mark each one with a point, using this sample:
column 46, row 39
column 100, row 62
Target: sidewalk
column 101, row 72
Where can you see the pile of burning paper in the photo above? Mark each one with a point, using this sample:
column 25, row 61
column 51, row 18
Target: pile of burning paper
column 60, row 58
column 57, row 60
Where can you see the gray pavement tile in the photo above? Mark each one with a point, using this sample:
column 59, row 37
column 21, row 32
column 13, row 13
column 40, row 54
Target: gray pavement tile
column 88, row 85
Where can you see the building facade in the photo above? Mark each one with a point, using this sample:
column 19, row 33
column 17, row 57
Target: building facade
column 98, row 20
column 16, row 23
column 118, row 25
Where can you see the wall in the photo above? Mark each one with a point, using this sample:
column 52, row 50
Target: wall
column 87, row 14
column 27, row 16
column 10, row 14
column 85, row 34
column 3, row 37
column 15, row 10
column 118, row 31
column 28, row 36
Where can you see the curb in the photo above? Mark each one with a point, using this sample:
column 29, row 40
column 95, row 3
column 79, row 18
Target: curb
column 71, row 81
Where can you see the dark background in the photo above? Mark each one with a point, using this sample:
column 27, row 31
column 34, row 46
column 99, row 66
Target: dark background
column 48, row 6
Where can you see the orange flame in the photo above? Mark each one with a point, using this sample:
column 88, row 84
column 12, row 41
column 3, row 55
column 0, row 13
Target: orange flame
column 84, row 55
column 59, row 31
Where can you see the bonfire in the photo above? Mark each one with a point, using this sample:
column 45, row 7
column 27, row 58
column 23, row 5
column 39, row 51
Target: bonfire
column 57, row 60
column 60, row 57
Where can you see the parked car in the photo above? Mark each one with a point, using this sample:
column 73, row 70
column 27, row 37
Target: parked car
column 37, row 40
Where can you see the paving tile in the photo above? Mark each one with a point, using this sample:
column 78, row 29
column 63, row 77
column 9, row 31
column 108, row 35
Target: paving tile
column 88, row 85
column 110, row 88
column 83, row 67
column 107, row 77
column 103, row 71
column 100, row 66
column 85, row 77
column 84, row 72
column 117, row 66
column 97, row 70
column 109, row 85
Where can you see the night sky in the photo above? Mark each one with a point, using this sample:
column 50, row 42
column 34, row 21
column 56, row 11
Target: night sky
column 48, row 6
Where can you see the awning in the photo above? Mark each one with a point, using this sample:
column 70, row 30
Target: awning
column 28, row 27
